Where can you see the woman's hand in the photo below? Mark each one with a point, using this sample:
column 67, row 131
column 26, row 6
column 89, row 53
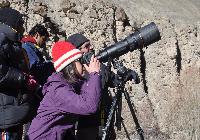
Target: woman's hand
column 94, row 65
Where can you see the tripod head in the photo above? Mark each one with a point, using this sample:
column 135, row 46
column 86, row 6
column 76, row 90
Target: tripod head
column 124, row 73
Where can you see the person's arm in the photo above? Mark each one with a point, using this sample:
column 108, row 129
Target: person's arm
column 11, row 78
column 38, row 67
column 84, row 103
column 42, row 71
column 87, row 101
column 15, row 79
column 30, row 54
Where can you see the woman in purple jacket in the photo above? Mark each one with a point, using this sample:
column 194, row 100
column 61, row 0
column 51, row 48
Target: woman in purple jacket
column 66, row 95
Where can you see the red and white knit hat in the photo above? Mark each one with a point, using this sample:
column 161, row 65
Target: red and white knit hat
column 64, row 53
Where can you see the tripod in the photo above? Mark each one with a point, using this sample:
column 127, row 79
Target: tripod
column 123, row 74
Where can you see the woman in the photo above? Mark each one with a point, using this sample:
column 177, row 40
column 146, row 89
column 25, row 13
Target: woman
column 66, row 95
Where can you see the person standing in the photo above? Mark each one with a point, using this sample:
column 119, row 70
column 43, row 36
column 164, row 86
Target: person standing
column 67, row 95
column 16, row 86
column 89, row 127
column 38, row 66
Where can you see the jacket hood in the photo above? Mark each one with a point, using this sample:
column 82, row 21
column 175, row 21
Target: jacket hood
column 56, row 80
column 52, row 82
column 11, row 17
column 9, row 32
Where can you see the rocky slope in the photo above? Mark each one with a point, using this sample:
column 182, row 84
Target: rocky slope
column 166, row 100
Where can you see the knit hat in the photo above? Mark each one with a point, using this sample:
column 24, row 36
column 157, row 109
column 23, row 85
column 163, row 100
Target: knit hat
column 64, row 53
column 77, row 40
column 11, row 17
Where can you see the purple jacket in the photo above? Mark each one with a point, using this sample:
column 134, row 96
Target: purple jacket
column 61, row 106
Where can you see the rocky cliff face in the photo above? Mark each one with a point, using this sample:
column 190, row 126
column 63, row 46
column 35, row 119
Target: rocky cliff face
column 166, row 100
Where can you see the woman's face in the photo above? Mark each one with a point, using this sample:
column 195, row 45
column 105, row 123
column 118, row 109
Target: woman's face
column 79, row 68
column 86, row 47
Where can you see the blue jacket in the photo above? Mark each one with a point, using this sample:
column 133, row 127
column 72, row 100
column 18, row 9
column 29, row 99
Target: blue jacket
column 39, row 68
column 62, row 105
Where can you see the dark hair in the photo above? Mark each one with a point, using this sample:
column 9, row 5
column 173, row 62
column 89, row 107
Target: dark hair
column 38, row 28
column 70, row 73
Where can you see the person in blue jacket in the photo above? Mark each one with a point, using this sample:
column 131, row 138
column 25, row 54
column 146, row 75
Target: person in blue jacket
column 38, row 66
column 67, row 95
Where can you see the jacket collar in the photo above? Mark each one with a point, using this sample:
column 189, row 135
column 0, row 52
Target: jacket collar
column 28, row 39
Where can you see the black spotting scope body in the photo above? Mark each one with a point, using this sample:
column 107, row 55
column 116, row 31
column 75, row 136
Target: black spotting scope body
column 143, row 37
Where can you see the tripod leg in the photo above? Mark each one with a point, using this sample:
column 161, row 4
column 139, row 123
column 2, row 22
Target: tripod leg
column 115, row 104
column 138, row 128
column 110, row 116
column 119, row 112
column 127, row 134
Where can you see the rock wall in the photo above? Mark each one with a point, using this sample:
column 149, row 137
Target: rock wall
column 166, row 101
